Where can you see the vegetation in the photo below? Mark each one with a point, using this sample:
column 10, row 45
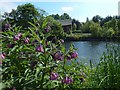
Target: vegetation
column 102, row 27
column 108, row 27
column 32, row 60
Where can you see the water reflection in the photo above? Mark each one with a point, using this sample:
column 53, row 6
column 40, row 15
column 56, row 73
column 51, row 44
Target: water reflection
column 90, row 50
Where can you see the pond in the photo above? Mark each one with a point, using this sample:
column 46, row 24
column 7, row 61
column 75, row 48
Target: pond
column 90, row 50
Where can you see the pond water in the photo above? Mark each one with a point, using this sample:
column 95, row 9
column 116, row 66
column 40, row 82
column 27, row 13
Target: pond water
column 90, row 50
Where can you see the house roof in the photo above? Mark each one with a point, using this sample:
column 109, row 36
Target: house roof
column 65, row 22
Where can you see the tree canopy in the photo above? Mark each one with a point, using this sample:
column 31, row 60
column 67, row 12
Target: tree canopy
column 22, row 15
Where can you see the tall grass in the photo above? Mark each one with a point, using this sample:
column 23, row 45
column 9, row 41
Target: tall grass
column 107, row 72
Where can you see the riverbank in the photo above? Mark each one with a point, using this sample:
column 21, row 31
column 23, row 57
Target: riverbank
column 88, row 37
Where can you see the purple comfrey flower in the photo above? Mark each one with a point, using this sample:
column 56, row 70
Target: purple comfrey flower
column 26, row 40
column 16, row 38
column 67, row 80
column 61, row 40
column 19, row 35
column 58, row 56
column 69, row 58
column 33, row 63
column 13, row 88
column 39, row 48
column 53, row 76
column 47, row 29
column 74, row 55
column 7, row 26
column 2, row 56
column 0, row 62
column 10, row 45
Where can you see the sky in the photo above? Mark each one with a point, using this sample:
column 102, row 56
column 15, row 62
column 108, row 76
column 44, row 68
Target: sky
column 78, row 9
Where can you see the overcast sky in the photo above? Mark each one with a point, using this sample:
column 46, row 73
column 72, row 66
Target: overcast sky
column 79, row 9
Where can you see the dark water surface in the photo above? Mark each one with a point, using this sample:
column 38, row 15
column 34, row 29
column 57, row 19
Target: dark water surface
column 90, row 50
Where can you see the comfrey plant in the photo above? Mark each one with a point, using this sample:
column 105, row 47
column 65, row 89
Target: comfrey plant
column 31, row 62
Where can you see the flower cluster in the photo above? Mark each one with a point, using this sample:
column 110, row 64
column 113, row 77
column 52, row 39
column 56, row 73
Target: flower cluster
column 67, row 80
column 33, row 64
column 39, row 48
column 53, row 76
column 10, row 45
column 17, row 37
column 2, row 56
column 47, row 29
column 72, row 55
column 7, row 26
column 58, row 56
column 26, row 40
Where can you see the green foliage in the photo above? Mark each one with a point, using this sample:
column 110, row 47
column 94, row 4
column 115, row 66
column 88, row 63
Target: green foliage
column 61, row 17
column 26, row 68
column 86, row 27
column 22, row 15
column 108, row 70
column 74, row 26
column 96, row 30
column 56, row 27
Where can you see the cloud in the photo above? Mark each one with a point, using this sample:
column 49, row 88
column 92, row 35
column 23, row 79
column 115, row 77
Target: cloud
column 7, row 6
column 67, row 9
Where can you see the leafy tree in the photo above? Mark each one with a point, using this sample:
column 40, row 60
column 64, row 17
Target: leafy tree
column 104, row 20
column 86, row 27
column 87, row 20
column 96, row 18
column 96, row 30
column 110, row 32
column 62, row 17
column 119, row 26
column 23, row 14
column 74, row 26
column 65, row 16
column 112, row 24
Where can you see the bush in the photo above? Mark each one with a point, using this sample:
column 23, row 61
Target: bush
column 31, row 62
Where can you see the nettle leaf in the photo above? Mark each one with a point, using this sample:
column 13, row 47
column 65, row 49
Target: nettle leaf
column 63, row 49
column 35, row 35
column 13, row 49
column 26, row 71
column 38, row 71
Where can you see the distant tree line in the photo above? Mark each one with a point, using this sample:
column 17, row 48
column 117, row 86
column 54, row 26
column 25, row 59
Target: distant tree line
column 102, row 27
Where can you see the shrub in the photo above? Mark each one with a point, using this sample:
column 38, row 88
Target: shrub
column 31, row 62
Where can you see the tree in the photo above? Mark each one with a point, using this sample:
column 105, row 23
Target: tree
column 112, row 24
column 96, row 30
column 96, row 18
column 23, row 14
column 110, row 32
column 65, row 16
column 78, row 24
column 87, row 20
column 86, row 27
column 74, row 26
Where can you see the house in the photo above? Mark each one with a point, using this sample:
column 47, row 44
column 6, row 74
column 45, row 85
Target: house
column 66, row 24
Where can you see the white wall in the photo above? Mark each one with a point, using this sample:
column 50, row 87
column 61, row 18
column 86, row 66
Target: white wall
column 119, row 8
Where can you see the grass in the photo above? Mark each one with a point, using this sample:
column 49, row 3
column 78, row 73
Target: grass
column 78, row 36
